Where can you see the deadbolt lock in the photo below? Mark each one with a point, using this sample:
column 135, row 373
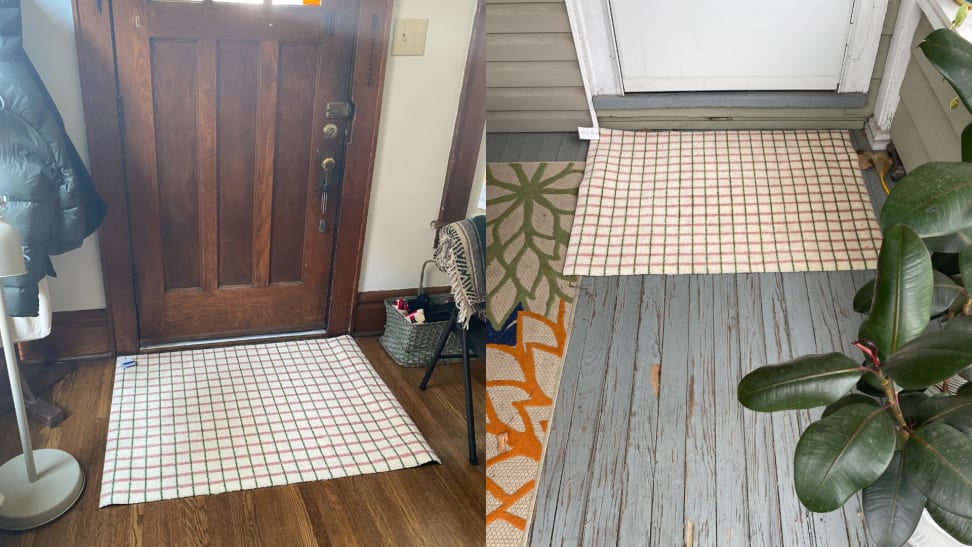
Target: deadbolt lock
column 328, row 164
column 330, row 131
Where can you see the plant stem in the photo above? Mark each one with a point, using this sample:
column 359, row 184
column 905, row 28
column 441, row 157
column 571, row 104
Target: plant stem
column 892, row 396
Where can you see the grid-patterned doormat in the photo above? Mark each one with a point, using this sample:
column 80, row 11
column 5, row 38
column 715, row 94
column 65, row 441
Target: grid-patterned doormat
column 697, row 202
column 207, row 421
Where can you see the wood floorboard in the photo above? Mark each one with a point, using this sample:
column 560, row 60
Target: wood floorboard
column 700, row 440
column 435, row 504
column 639, row 462
column 761, row 474
column 571, row 502
column 668, row 492
column 611, row 437
column 494, row 145
column 732, row 519
column 555, row 464
column 512, row 147
column 550, row 149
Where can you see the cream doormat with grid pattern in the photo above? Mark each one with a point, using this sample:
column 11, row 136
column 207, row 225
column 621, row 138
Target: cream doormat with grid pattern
column 698, row 202
column 215, row 420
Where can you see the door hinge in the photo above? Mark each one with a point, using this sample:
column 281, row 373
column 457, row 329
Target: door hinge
column 121, row 115
column 339, row 109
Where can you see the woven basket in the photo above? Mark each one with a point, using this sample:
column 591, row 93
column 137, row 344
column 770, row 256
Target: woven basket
column 412, row 344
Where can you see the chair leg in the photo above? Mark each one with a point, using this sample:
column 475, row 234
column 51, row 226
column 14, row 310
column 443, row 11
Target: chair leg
column 438, row 352
column 470, row 423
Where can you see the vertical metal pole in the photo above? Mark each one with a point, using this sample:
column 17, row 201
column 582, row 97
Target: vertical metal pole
column 16, row 393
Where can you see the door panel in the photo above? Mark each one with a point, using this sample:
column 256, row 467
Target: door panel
column 224, row 107
column 741, row 46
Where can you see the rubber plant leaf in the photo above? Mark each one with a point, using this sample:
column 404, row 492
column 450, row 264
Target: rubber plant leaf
column 805, row 382
column 945, row 293
column 847, row 400
column 934, row 199
column 938, row 459
column 951, row 243
column 965, row 265
column 864, row 297
column 839, row 455
column 930, row 359
column 954, row 411
column 902, row 292
column 892, row 505
column 958, row 527
column 951, row 54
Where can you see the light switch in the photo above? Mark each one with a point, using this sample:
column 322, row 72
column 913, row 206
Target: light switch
column 410, row 37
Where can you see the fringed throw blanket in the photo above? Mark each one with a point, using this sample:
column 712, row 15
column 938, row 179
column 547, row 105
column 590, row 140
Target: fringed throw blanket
column 461, row 254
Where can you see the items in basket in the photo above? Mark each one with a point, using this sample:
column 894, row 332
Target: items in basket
column 422, row 309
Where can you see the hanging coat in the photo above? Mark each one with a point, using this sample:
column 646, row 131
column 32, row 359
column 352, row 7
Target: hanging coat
column 46, row 192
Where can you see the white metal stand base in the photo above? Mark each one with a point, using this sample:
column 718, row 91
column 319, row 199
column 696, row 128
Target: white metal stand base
column 31, row 504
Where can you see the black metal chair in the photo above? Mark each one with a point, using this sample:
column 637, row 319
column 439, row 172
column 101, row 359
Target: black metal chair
column 473, row 338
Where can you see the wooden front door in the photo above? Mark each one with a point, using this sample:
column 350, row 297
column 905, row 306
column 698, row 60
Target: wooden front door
column 235, row 118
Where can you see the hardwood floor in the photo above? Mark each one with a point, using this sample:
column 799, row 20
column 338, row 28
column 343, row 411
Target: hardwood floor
column 431, row 505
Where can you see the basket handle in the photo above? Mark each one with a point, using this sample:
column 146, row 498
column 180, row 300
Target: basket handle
column 421, row 287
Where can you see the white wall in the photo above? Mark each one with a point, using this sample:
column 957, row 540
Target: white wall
column 417, row 119
column 419, row 111
column 49, row 40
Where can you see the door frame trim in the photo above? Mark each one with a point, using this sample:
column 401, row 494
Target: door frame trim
column 94, row 36
column 600, row 62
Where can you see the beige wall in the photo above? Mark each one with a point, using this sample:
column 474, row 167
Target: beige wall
column 417, row 120
column 421, row 94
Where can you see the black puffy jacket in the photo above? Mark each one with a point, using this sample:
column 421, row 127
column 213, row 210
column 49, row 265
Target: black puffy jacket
column 46, row 192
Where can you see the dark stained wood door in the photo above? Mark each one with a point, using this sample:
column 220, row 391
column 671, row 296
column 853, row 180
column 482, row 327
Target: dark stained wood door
column 225, row 107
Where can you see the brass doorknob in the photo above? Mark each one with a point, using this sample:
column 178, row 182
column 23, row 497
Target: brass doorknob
column 328, row 163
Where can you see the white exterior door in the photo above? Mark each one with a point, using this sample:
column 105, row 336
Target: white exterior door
column 743, row 45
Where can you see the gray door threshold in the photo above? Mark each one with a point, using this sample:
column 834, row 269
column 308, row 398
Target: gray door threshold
column 734, row 99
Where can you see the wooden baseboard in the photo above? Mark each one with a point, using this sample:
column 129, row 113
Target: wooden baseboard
column 75, row 335
column 369, row 313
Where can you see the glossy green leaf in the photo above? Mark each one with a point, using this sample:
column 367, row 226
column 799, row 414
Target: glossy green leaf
column 938, row 459
column 934, row 199
column 864, row 297
column 902, row 292
column 930, row 359
column 945, row 293
column 951, row 243
column 910, row 402
column 958, row 527
column 892, row 506
column 847, row 400
column 841, row 454
column 962, row 323
column 952, row 56
column 965, row 265
column 966, row 140
column 806, row 382
column 955, row 411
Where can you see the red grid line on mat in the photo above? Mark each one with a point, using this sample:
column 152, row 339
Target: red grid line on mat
column 683, row 202
column 223, row 419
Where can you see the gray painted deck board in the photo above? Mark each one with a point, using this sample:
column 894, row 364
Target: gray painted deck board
column 667, row 520
column 639, row 463
column 607, row 473
column 624, row 467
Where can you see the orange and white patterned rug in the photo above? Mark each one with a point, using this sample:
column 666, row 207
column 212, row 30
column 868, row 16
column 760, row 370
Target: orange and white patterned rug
column 530, row 307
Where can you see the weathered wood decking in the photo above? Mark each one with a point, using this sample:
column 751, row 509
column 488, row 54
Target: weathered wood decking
column 626, row 467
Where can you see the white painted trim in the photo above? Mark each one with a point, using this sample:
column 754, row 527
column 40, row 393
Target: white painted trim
column 863, row 39
column 899, row 55
column 597, row 48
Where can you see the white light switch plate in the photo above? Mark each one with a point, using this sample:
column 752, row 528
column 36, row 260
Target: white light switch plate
column 410, row 37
